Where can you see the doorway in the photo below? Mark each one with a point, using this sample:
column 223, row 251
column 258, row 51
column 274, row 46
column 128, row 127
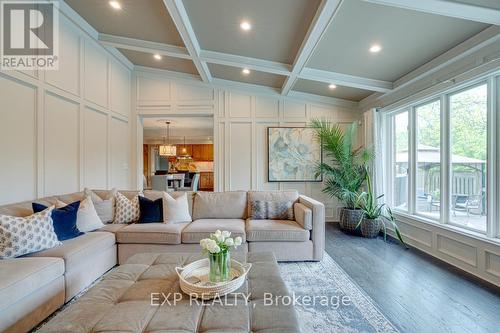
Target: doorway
column 178, row 153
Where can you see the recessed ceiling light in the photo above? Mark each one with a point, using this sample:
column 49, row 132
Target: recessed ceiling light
column 375, row 48
column 115, row 5
column 245, row 71
column 157, row 57
column 245, row 25
column 332, row 86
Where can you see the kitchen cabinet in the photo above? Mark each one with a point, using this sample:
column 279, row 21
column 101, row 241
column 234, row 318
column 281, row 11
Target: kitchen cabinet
column 207, row 181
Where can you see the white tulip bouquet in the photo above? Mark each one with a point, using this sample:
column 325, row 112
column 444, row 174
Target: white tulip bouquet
column 218, row 248
column 220, row 241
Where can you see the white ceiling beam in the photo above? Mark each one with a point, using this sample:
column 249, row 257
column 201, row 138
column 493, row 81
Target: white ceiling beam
column 181, row 20
column 449, row 8
column 144, row 46
column 324, row 15
column 245, row 62
column 345, row 80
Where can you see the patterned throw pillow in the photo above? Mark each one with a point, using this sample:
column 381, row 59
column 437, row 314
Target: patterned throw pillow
column 127, row 211
column 272, row 210
column 23, row 235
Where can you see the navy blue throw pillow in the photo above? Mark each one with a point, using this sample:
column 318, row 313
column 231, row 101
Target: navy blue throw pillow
column 64, row 220
column 150, row 211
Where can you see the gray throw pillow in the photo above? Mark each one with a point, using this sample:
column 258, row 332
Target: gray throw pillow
column 272, row 210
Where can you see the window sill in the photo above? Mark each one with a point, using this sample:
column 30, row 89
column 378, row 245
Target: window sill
column 405, row 217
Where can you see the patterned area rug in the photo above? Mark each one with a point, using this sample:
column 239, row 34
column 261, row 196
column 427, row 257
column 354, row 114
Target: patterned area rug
column 327, row 300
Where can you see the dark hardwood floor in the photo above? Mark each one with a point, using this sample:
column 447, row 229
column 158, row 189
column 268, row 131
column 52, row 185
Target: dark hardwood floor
column 417, row 292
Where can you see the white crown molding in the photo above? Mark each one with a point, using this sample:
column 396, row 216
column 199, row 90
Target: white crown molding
column 324, row 16
column 247, row 62
column 447, row 8
column 144, row 46
column 346, row 80
column 241, row 86
column 181, row 20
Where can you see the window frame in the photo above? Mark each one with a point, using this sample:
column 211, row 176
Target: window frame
column 492, row 83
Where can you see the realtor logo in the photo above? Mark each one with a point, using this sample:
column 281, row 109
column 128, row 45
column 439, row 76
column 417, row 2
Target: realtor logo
column 29, row 35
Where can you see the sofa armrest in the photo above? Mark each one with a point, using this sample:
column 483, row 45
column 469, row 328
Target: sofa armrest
column 318, row 225
column 303, row 215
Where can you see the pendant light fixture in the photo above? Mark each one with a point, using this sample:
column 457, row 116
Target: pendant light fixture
column 166, row 149
column 184, row 153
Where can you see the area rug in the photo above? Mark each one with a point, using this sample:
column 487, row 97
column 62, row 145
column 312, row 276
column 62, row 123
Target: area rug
column 328, row 300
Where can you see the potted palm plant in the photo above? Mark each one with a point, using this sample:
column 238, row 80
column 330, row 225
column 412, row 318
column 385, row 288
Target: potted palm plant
column 346, row 172
column 374, row 215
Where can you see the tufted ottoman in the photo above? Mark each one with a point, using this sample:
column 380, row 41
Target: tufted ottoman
column 143, row 295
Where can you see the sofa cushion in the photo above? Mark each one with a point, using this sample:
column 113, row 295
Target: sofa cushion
column 153, row 195
column 151, row 233
column 22, row 235
column 199, row 229
column 127, row 210
column 112, row 227
column 278, row 204
column 73, row 251
column 104, row 203
column 64, row 220
column 151, row 211
column 21, row 277
column 275, row 230
column 220, row 205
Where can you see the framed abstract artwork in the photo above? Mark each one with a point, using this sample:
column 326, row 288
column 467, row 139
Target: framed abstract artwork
column 293, row 154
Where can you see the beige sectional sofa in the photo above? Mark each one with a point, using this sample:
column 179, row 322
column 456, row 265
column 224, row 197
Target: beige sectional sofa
column 33, row 287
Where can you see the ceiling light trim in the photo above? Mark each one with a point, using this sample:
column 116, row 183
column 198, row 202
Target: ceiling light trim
column 181, row 20
column 447, row 8
column 345, row 80
column 324, row 16
column 145, row 46
column 261, row 65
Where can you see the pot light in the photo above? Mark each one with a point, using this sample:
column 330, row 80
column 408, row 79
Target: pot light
column 157, row 57
column 115, row 5
column 375, row 48
column 332, row 86
column 245, row 71
column 245, row 25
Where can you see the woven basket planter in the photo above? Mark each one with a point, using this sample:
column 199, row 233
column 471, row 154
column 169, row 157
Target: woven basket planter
column 349, row 219
column 370, row 228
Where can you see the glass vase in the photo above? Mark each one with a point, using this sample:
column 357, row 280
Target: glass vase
column 220, row 266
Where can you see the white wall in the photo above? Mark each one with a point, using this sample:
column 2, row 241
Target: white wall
column 241, row 118
column 67, row 129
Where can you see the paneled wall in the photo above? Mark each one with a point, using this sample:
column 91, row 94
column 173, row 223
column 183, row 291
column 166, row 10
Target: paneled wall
column 67, row 129
column 241, row 119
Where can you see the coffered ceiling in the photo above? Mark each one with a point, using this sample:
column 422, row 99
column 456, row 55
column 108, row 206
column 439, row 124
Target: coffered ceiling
column 291, row 45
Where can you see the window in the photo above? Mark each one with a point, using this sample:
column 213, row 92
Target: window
column 401, row 158
column 428, row 171
column 468, row 139
column 445, row 137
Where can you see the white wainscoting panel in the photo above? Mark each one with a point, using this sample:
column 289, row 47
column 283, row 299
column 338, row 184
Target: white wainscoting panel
column 95, row 140
column 61, row 136
column 55, row 124
column 240, row 156
column 18, row 146
column 120, row 154
column 67, row 76
column 96, row 74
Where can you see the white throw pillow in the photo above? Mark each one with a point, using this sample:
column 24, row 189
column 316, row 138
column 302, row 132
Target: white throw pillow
column 105, row 208
column 23, row 235
column 86, row 218
column 175, row 210
column 127, row 211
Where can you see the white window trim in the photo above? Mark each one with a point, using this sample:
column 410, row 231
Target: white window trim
column 492, row 233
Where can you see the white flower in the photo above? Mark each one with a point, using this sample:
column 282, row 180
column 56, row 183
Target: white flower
column 229, row 242
column 237, row 241
column 214, row 249
column 226, row 234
